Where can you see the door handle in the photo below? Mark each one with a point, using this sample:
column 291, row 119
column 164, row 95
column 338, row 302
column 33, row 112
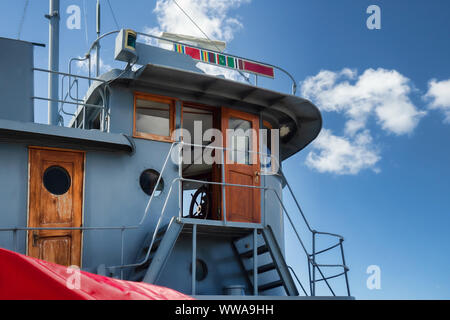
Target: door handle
column 35, row 238
column 257, row 174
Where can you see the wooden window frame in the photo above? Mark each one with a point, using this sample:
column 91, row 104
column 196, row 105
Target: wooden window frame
column 172, row 116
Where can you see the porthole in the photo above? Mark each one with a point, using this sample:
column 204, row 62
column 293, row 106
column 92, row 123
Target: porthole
column 201, row 270
column 56, row 180
column 148, row 181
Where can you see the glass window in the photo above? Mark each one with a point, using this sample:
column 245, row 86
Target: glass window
column 148, row 180
column 240, row 140
column 56, row 180
column 153, row 117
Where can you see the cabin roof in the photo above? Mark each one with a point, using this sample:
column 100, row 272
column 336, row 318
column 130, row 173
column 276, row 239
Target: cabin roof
column 301, row 115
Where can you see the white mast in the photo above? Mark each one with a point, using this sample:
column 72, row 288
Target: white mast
column 53, row 61
column 97, row 60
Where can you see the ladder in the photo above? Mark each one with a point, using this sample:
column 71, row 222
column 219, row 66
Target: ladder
column 269, row 258
column 162, row 247
column 269, row 249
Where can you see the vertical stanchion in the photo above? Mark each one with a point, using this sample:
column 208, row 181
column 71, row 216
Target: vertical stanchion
column 15, row 239
column 224, row 200
column 180, row 175
column 255, row 262
column 122, row 234
column 194, row 257
column 345, row 266
column 313, row 263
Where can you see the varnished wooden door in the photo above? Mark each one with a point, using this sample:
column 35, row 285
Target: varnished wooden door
column 242, row 166
column 55, row 201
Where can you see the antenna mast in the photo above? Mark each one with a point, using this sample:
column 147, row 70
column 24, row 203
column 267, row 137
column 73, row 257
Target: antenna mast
column 53, row 61
column 97, row 58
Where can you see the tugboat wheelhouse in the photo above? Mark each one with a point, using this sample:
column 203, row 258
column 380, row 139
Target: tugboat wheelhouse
column 112, row 191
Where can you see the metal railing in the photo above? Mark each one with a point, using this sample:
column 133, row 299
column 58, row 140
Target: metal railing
column 70, row 99
column 96, row 42
column 311, row 257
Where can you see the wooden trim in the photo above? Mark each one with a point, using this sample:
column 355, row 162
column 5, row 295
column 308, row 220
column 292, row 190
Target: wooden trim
column 201, row 106
column 267, row 124
column 172, row 116
column 56, row 149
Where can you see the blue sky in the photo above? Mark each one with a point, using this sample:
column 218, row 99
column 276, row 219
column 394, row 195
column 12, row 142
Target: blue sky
column 383, row 184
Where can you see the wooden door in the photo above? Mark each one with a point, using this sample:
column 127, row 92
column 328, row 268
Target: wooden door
column 55, row 201
column 241, row 165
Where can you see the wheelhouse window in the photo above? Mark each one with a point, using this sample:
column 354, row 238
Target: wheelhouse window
column 154, row 117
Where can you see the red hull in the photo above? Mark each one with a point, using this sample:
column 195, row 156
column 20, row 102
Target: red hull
column 27, row 278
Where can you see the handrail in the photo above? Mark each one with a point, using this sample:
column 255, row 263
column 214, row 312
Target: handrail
column 96, row 41
column 310, row 256
column 298, row 280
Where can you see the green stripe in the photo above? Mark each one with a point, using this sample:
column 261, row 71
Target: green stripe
column 222, row 60
column 230, row 62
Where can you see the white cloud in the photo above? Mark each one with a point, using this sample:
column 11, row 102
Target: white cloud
column 343, row 155
column 439, row 96
column 212, row 16
column 379, row 94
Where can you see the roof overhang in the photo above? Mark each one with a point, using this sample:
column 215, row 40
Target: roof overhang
column 301, row 115
column 62, row 137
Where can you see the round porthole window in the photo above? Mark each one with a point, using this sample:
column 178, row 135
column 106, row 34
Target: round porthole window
column 201, row 270
column 148, row 181
column 56, row 180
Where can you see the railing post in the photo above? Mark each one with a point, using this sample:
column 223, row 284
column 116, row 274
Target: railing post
column 194, row 257
column 122, row 234
column 313, row 293
column 255, row 262
column 345, row 266
column 224, row 200
column 180, row 175
column 15, row 239
column 309, row 275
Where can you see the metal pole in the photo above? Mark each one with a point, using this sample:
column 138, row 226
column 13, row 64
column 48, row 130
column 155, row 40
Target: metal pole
column 180, row 175
column 122, row 240
column 224, row 200
column 255, row 262
column 345, row 267
column 97, row 63
column 194, row 257
column 313, row 263
column 53, row 61
column 15, row 240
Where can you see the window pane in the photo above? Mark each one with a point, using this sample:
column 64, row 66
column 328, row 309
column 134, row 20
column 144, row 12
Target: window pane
column 241, row 140
column 153, row 117
column 266, row 146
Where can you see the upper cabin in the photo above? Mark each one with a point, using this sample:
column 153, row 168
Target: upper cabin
column 160, row 165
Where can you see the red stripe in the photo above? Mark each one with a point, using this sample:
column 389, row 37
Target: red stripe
column 241, row 64
column 193, row 52
column 258, row 68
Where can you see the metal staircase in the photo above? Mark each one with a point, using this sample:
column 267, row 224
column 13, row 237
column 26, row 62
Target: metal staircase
column 158, row 252
column 269, row 253
column 157, row 248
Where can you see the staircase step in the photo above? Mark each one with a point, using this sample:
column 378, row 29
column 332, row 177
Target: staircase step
column 264, row 268
column 154, row 247
column 249, row 253
column 270, row 285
